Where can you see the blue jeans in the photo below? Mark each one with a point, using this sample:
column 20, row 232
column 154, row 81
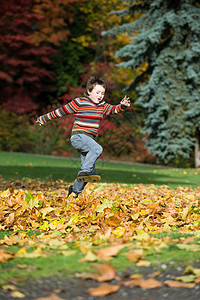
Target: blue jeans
column 90, row 151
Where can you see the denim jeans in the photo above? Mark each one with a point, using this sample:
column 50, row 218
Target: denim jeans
column 89, row 151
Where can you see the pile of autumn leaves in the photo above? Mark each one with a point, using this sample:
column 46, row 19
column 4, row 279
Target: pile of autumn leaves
column 110, row 216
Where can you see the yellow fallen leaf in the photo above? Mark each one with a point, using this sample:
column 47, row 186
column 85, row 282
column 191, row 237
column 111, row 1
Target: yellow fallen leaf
column 90, row 256
column 185, row 213
column 44, row 211
column 5, row 193
column 191, row 270
column 8, row 287
column 36, row 253
column 135, row 216
column 119, row 231
column 17, row 294
column 44, row 226
column 186, row 278
column 142, row 235
column 136, row 276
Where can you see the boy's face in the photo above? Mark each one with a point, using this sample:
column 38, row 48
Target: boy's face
column 97, row 94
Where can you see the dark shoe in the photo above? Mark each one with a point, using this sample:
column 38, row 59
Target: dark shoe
column 88, row 177
column 71, row 191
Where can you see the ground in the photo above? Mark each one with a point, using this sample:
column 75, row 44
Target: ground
column 77, row 289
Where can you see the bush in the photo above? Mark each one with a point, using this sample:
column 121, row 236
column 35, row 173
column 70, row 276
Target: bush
column 14, row 134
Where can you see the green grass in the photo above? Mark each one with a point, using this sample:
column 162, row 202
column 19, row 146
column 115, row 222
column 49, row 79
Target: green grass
column 49, row 168
column 59, row 265
column 52, row 265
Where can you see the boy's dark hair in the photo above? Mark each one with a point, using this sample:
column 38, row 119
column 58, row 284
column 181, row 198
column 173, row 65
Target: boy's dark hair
column 92, row 82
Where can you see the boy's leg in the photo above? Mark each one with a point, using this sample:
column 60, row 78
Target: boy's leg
column 90, row 148
column 79, row 186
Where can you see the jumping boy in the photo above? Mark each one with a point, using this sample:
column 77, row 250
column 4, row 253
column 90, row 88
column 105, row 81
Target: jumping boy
column 89, row 112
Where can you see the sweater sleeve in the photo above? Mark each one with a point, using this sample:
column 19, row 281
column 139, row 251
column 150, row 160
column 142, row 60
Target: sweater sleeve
column 69, row 108
column 113, row 109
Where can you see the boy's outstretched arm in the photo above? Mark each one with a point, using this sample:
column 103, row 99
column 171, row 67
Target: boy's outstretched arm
column 125, row 101
column 69, row 108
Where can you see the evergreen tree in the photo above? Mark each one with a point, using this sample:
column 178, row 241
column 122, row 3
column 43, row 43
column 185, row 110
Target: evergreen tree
column 166, row 36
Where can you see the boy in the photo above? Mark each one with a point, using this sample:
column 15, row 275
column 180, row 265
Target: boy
column 88, row 112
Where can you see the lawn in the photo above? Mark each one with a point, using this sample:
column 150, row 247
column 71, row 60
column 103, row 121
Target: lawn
column 49, row 168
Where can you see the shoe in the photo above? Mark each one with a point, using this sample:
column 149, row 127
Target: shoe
column 71, row 191
column 88, row 177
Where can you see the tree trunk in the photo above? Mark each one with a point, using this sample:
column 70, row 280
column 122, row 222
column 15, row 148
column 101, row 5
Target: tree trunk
column 197, row 149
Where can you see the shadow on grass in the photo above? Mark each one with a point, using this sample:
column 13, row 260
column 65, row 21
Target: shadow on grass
column 68, row 174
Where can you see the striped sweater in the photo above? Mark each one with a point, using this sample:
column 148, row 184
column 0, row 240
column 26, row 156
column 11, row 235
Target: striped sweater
column 88, row 114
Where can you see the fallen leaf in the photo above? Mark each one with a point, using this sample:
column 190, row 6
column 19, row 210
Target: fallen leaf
column 8, row 287
column 197, row 280
column 134, row 255
column 150, row 283
column 143, row 263
column 103, row 290
column 191, row 270
column 143, row 283
column 155, row 274
column 119, row 231
column 179, row 284
column 136, row 276
column 142, row 235
column 90, row 256
column 189, row 247
column 107, row 253
column 17, row 294
column 5, row 256
column 44, row 211
column 106, row 272
column 36, row 253
column 189, row 239
column 187, row 278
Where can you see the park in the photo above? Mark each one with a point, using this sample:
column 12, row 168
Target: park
column 135, row 234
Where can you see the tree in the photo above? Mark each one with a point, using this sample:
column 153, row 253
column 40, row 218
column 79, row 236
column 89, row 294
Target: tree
column 165, row 36
column 30, row 31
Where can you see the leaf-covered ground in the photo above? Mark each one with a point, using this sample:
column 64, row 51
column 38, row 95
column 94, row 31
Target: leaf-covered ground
column 37, row 220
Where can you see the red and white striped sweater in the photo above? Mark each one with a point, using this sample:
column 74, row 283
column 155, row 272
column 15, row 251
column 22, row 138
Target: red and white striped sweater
column 88, row 114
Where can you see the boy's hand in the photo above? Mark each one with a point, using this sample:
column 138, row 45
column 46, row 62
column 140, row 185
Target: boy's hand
column 38, row 121
column 125, row 101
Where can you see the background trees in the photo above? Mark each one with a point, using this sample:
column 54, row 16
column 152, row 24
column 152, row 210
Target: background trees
column 167, row 38
column 48, row 51
column 30, row 31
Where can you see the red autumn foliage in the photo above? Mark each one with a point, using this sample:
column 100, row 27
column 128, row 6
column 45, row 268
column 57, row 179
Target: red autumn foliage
column 24, row 74
column 27, row 50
